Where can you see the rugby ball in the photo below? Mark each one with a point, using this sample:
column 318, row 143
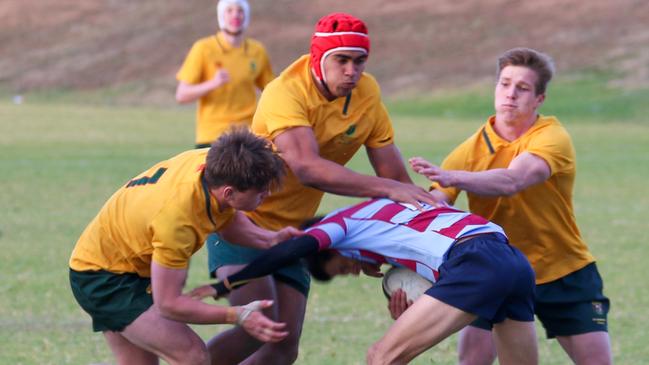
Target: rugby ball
column 413, row 284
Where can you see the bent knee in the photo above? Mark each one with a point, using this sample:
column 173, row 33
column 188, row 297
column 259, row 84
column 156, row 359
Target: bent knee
column 194, row 353
column 378, row 353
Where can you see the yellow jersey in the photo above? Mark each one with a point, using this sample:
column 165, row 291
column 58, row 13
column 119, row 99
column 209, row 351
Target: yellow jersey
column 162, row 215
column 539, row 220
column 234, row 102
column 340, row 127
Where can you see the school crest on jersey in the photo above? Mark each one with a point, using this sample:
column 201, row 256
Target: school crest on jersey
column 348, row 136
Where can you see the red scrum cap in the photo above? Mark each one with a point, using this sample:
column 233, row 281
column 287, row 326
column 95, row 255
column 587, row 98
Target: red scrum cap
column 337, row 32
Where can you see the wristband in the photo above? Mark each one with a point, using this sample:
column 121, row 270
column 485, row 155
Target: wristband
column 231, row 315
column 220, row 288
column 243, row 315
column 247, row 310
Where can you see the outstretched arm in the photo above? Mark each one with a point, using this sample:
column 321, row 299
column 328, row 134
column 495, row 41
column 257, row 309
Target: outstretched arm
column 524, row 171
column 299, row 149
column 272, row 259
column 242, row 231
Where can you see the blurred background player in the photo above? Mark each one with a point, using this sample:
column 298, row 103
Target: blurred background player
column 476, row 273
column 519, row 171
column 129, row 266
column 223, row 72
column 318, row 113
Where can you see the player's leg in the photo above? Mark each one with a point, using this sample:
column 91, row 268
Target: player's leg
column 574, row 310
column 126, row 352
column 234, row 345
column 516, row 342
column 173, row 341
column 292, row 306
column 475, row 344
column 588, row 348
column 427, row 322
column 224, row 258
column 507, row 283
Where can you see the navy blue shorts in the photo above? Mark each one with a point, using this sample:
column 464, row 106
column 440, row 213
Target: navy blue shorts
column 488, row 277
column 571, row 305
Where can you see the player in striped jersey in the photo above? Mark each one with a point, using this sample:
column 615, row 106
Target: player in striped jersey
column 475, row 270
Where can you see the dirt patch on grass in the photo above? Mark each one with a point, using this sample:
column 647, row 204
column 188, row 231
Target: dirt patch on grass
column 418, row 46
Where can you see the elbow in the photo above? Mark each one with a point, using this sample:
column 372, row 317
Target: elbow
column 306, row 175
column 511, row 189
column 182, row 98
column 167, row 310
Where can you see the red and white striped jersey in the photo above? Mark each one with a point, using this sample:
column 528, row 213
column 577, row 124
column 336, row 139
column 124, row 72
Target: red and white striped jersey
column 383, row 231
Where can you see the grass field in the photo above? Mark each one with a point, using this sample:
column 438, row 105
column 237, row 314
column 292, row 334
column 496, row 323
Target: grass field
column 60, row 162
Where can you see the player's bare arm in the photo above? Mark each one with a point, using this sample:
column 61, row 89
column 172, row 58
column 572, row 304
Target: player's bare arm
column 298, row 147
column 167, row 287
column 524, row 171
column 242, row 231
column 188, row 93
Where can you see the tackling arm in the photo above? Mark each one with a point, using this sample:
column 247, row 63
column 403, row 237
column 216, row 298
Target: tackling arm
column 272, row 259
column 242, row 231
column 298, row 147
column 524, row 171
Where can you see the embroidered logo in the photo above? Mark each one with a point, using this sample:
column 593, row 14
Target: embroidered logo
column 598, row 308
column 348, row 136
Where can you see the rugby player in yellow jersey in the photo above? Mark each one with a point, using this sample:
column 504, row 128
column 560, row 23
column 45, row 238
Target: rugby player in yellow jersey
column 518, row 170
column 318, row 113
column 129, row 266
column 223, row 72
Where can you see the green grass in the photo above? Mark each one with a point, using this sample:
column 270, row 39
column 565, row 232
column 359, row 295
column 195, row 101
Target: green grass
column 587, row 98
column 60, row 162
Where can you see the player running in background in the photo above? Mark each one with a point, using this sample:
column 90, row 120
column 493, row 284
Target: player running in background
column 129, row 266
column 318, row 113
column 475, row 270
column 518, row 170
column 223, row 72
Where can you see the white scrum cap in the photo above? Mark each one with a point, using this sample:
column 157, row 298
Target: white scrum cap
column 223, row 5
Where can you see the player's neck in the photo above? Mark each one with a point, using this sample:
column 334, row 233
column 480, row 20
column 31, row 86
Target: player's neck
column 233, row 39
column 322, row 88
column 511, row 130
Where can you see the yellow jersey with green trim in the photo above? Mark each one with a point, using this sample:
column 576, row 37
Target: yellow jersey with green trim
column 340, row 127
column 234, row 102
column 162, row 215
column 539, row 220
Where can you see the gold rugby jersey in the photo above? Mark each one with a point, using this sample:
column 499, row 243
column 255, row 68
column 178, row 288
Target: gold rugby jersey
column 340, row 127
column 539, row 220
column 234, row 102
column 162, row 215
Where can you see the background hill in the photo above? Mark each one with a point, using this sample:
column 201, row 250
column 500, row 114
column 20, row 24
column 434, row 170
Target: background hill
column 134, row 48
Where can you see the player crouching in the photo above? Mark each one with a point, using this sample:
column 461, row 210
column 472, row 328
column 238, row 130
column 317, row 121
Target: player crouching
column 475, row 270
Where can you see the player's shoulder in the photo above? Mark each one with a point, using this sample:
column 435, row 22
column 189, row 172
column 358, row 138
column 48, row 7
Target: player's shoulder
column 255, row 45
column 368, row 86
column 293, row 80
column 549, row 127
column 206, row 41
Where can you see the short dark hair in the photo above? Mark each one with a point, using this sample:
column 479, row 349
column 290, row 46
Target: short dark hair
column 316, row 264
column 244, row 161
column 537, row 61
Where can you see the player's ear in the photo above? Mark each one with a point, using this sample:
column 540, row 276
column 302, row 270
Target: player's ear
column 228, row 192
column 316, row 265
